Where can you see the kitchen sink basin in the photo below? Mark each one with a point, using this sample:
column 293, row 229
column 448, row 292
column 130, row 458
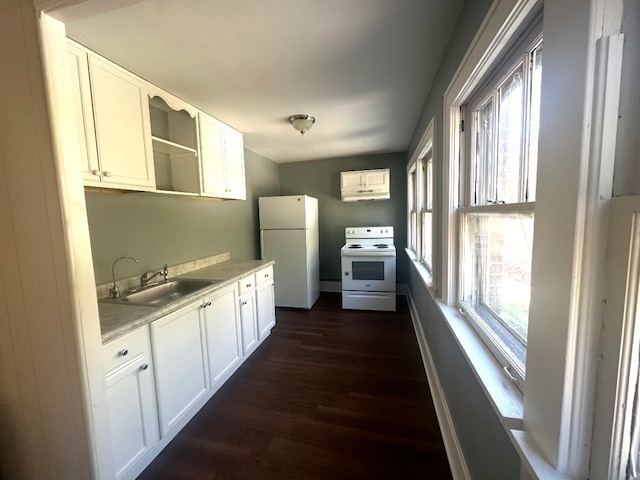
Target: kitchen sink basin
column 162, row 293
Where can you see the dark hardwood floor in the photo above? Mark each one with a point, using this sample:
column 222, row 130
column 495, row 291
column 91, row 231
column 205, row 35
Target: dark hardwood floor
column 331, row 395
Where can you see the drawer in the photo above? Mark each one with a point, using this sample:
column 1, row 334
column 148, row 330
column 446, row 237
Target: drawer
column 247, row 283
column 264, row 275
column 124, row 349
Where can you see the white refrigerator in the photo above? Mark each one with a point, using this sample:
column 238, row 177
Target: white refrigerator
column 289, row 235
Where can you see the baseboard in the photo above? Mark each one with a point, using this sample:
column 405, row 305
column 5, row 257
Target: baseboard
column 331, row 287
column 449, row 436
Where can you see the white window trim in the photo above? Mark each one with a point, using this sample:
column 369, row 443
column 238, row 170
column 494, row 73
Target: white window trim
column 558, row 427
column 425, row 144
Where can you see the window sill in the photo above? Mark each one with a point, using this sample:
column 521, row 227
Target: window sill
column 505, row 398
column 424, row 273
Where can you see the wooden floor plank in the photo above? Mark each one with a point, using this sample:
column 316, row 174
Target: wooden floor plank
column 332, row 394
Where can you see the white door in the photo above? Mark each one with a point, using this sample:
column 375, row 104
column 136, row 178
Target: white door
column 132, row 414
column 234, row 164
column 266, row 309
column 212, row 157
column 248, row 322
column 80, row 90
column 280, row 213
column 179, row 358
column 123, row 128
column 221, row 321
column 289, row 250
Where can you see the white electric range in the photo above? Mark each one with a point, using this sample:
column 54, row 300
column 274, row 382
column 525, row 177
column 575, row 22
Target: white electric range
column 368, row 261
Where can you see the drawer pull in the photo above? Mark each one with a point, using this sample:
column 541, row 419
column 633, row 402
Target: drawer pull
column 106, row 174
column 208, row 304
column 248, row 285
column 266, row 275
column 144, row 366
column 123, row 352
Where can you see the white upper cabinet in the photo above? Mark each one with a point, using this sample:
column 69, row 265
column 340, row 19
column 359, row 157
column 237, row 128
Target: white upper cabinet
column 364, row 185
column 134, row 135
column 121, row 116
column 221, row 159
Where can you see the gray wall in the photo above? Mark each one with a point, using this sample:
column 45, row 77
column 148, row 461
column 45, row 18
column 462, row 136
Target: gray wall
column 487, row 449
column 321, row 179
column 158, row 229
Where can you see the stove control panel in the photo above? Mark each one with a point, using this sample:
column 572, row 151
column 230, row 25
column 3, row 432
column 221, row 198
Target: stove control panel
column 369, row 232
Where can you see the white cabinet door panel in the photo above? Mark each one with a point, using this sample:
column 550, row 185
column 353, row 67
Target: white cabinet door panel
column 234, row 159
column 121, row 115
column 248, row 321
column 266, row 309
column 180, row 364
column 212, row 156
column 132, row 414
column 80, row 96
column 223, row 337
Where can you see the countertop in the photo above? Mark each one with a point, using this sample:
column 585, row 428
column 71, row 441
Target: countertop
column 118, row 319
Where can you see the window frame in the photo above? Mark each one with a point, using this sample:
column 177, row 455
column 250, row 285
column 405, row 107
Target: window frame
column 427, row 199
column 520, row 56
column 424, row 149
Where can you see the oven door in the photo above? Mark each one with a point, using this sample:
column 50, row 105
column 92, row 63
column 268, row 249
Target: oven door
column 375, row 273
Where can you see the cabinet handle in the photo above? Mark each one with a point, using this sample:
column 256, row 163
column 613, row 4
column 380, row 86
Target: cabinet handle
column 97, row 173
column 248, row 285
column 208, row 304
column 244, row 303
column 144, row 366
column 266, row 275
column 123, row 352
column 106, row 174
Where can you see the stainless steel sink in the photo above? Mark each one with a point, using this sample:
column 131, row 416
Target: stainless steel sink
column 162, row 293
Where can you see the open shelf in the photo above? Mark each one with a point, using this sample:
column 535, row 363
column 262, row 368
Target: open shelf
column 170, row 148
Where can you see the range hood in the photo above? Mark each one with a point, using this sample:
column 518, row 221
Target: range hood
column 364, row 185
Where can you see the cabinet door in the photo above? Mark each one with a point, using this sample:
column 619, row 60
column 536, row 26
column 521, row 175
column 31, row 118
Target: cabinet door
column 180, row 364
column 132, row 413
column 234, row 162
column 248, row 322
column 212, row 157
column 221, row 321
column 266, row 309
column 80, row 97
column 376, row 179
column 123, row 131
column 351, row 181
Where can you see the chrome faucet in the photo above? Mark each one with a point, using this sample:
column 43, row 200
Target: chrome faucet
column 145, row 278
column 113, row 291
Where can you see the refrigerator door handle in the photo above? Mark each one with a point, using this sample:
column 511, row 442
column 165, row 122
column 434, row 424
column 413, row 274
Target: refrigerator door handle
column 262, row 244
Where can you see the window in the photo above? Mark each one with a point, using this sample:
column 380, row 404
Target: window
column 426, row 212
column 420, row 201
column 413, row 209
column 496, row 216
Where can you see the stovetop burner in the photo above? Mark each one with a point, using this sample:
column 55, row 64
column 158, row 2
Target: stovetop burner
column 355, row 245
column 381, row 245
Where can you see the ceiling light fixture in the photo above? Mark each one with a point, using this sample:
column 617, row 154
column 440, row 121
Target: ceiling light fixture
column 302, row 123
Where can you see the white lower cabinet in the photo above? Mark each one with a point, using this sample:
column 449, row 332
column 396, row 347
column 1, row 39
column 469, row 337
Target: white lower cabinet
column 160, row 375
column 131, row 399
column 248, row 322
column 221, row 321
column 180, row 364
column 265, row 300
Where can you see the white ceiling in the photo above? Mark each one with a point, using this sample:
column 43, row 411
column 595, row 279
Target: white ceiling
column 361, row 67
